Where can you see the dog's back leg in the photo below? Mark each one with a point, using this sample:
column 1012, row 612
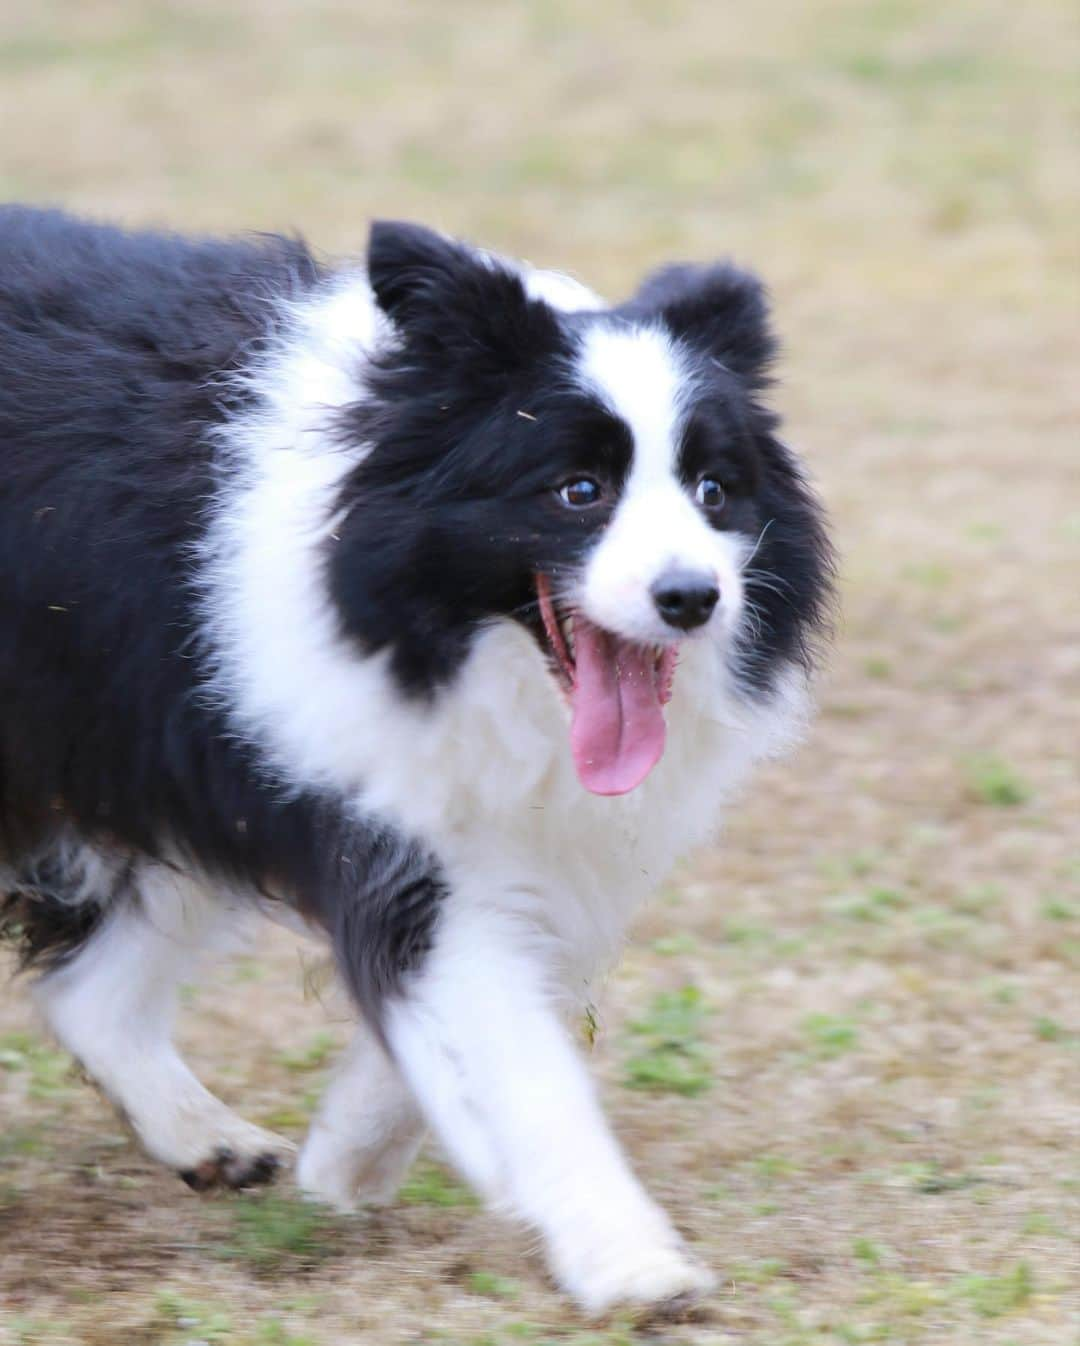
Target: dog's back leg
column 367, row 1131
column 112, row 1005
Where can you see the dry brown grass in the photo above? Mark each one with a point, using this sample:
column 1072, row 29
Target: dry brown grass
column 888, row 943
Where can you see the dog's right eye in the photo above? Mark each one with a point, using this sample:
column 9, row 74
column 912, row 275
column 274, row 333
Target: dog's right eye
column 580, row 493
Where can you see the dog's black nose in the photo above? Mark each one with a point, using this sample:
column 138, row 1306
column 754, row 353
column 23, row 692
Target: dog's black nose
column 685, row 598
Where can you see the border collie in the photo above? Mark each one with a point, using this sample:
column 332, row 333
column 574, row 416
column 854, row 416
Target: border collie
column 429, row 601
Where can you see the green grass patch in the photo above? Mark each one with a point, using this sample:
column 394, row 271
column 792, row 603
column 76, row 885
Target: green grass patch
column 316, row 1054
column 942, row 927
column 273, row 1332
column 869, row 1253
column 774, row 1167
column 1038, row 1224
column 985, row 532
column 429, row 1184
column 830, row 1035
column 858, row 865
column 931, row 575
column 978, row 900
column 291, row 1117
column 760, row 1272
column 50, row 1069
column 271, row 1231
column 489, row 1285
column 22, row 1142
column 746, row 932
column 1050, row 1030
column 670, row 1056
column 31, row 1330
column 195, row 1320
column 993, row 1296
column 670, row 946
column 991, row 780
column 191, row 1322
column 898, row 1297
column 930, row 1179
column 246, row 969
column 874, row 906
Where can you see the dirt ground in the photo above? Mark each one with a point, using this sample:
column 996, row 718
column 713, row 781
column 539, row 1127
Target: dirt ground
column 844, row 1047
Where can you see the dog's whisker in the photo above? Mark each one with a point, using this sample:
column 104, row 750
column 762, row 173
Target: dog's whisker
column 754, row 575
column 757, row 544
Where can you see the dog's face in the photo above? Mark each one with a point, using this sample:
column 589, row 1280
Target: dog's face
column 605, row 477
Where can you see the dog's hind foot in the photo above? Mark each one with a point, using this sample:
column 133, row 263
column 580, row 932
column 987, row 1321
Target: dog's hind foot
column 349, row 1177
column 366, row 1134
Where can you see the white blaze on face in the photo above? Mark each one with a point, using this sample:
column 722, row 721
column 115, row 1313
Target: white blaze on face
column 639, row 375
column 657, row 532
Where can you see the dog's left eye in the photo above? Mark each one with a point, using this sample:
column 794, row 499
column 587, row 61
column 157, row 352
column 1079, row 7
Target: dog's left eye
column 580, row 493
column 709, row 493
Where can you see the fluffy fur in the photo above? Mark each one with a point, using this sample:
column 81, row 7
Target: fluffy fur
column 300, row 568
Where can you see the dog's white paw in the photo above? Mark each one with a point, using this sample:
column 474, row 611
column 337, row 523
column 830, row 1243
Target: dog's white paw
column 651, row 1275
column 324, row 1181
column 347, row 1177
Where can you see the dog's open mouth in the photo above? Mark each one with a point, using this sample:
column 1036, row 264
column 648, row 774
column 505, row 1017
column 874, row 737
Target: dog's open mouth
column 617, row 690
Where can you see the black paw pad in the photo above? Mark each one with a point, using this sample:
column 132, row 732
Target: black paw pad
column 260, row 1170
column 226, row 1168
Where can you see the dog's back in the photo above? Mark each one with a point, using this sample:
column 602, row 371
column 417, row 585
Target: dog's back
column 116, row 352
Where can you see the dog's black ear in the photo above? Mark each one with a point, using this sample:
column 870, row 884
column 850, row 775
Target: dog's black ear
column 412, row 268
column 721, row 309
column 447, row 295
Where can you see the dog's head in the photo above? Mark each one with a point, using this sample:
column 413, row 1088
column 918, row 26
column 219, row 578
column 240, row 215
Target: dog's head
column 608, row 478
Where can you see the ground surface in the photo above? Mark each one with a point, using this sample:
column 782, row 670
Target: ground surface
column 868, row 996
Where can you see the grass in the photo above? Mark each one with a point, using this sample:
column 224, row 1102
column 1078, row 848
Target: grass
column 830, row 1035
column 993, row 1296
column 189, row 1319
column 993, row 781
column 492, row 1286
column 430, row 1184
column 849, row 1031
column 48, row 1071
column 187, row 1322
column 272, row 1231
column 668, row 1054
column 318, row 1052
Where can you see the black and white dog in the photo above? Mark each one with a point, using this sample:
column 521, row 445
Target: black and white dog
column 430, row 600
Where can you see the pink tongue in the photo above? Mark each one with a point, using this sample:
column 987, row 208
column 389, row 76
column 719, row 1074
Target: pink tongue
column 618, row 729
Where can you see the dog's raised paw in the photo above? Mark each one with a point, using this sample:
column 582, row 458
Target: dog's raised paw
column 226, row 1168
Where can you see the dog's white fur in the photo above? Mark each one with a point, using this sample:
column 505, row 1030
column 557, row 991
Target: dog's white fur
column 483, row 775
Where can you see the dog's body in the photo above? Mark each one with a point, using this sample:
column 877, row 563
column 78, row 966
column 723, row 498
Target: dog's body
column 299, row 571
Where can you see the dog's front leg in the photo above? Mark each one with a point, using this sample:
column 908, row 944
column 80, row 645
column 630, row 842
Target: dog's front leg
column 478, row 1037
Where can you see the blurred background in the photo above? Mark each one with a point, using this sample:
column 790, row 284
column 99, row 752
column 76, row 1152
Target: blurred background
column 844, row 1048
